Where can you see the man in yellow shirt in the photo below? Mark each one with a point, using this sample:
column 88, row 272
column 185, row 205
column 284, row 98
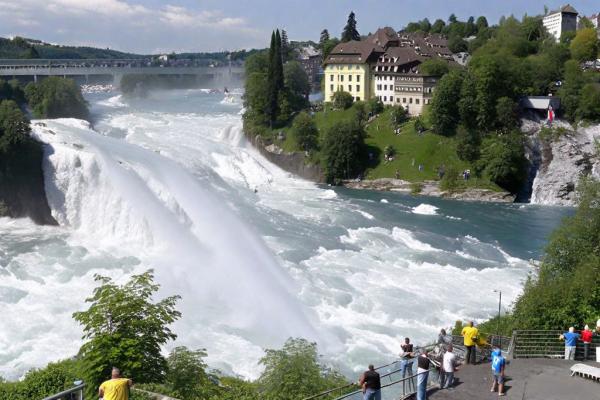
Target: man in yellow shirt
column 470, row 335
column 116, row 388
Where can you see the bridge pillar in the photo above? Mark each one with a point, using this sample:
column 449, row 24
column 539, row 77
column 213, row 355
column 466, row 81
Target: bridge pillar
column 35, row 78
column 87, row 79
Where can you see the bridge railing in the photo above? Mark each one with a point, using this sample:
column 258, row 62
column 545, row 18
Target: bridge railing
column 546, row 344
column 74, row 393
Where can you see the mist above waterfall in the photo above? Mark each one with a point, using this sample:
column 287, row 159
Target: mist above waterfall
column 169, row 182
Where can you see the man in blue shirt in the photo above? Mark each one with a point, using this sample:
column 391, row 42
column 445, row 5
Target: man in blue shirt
column 571, row 338
column 498, row 364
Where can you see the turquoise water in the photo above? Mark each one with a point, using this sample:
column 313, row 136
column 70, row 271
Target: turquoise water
column 170, row 183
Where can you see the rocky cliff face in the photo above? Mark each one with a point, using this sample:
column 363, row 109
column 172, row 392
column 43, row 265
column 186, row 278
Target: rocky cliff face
column 557, row 164
column 22, row 191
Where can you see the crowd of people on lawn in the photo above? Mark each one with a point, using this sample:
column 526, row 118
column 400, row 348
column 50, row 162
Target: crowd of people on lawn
column 446, row 362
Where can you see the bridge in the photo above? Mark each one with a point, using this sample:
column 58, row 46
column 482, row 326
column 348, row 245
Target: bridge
column 111, row 71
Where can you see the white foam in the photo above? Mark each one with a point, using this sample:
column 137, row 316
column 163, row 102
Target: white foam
column 384, row 201
column 425, row 209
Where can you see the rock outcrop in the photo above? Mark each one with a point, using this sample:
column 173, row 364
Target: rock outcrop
column 558, row 163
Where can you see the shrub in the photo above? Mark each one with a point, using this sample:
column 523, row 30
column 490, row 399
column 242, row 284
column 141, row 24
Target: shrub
column 342, row 100
column 416, row 187
column 342, row 150
column 451, row 179
column 375, row 106
column 305, row 131
column 503, row 160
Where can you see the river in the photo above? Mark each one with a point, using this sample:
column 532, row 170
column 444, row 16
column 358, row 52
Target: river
column 170, row 183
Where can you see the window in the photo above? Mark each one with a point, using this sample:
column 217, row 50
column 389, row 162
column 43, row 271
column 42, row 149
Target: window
column 417, row 101
column 358, row 88
column 331, row 88
column 357, row 78
column 342, row 78
column 349, row 88
column 384, row 87
column 331, row 78
column 384, row 98
column 379, row 87
column 349, row 78
column 410, row 100
column 392, row 99
column 397, row 99
column 357, row 98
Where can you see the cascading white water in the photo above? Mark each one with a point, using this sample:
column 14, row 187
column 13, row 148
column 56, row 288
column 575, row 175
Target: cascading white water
column 169, row 183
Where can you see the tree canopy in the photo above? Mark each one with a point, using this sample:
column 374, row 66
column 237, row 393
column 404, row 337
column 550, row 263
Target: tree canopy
column 350, row 33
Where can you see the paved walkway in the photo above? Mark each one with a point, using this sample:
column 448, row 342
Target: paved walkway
column 527, row 379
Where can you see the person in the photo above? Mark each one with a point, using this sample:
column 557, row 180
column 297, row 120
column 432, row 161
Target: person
column 423, row 364
column 443, row 339
column 406, row 356
column 570, row 343
column 586, row 337
column 470, row 334
column 498, row 366
column 448, row 368
column 370, row 382
column 116, row 388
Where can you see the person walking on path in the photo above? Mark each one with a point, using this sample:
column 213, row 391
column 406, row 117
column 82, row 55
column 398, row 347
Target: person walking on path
column 570, row 338
column 116, row 388
column 586, row 337
column 498, row 366
column 448, row 368
column 423, row 364
column 470, row 335
column 370, row 382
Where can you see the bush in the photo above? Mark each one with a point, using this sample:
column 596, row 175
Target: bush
column 294, row 372
column 503, row 160
column 435, row 67
column 468, row 143
column 444, row 107
column 360, row 109
column 342, row 149
column 416, row 187
column 451, row 180
column 305, row 131
column 375, row 106
column 342, row 100
column 399, row 115
column 589, row 102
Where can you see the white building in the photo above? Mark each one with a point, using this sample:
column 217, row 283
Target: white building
column 595, row 19
column 560, row 21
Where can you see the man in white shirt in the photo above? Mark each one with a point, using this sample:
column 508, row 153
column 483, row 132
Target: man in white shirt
column 448, row 368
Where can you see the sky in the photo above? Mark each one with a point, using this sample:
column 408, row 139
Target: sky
column 153, row 26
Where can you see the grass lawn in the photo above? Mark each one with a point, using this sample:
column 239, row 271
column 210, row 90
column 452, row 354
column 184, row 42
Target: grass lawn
column 428, row 149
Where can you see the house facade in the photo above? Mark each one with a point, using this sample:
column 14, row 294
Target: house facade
column 560, row 21
column 385, row 65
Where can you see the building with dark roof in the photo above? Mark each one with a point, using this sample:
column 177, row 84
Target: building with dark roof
column 560, row 21
column 386, row 65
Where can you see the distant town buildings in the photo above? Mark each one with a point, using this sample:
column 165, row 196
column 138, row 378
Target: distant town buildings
column 595, row 20
column 386, row 65
column 562, row 20
column 311, row 61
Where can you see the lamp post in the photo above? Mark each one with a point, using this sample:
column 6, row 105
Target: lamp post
column 499, row 309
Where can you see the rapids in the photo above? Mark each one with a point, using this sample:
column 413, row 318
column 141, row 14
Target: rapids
column 170, row 183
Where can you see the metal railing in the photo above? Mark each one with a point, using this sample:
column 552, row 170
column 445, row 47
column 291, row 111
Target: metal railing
column 483, row 351
column 75, row 393
column 546, row 344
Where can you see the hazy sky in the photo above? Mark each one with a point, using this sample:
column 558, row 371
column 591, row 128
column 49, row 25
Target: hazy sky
column 153, row 26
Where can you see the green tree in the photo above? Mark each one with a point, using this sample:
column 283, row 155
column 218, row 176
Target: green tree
column 350, row 33
column 123, row 327
column 503, row 160
column 589, row 102
column 399, row 115
column 457, row 44
column 294, row 372
column 295, row 79
column 342, row 150
column 342, row 100
column 257, row 62
column 56, row 97
column 324, row 38
column 573, row 83
column 467, row 105
column 14, row 126
column 507, row 115
column 438, row 26
column 444, row 108
column 375, row 106
column 435, row 67
column 256, row 99
column 186, row 375
column 425, row 25
column 481, row 24
column 329, row 46
column 305, row 131
column 468, row 142
column 584, row 46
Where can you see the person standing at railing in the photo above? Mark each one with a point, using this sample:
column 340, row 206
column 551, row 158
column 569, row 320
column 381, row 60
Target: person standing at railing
column 470, row 335
column 423, row 364
column 406, row 358
column 448, row 368
column 586, row 337
column 370, row 382
column 116, row 388
column 570, row 339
